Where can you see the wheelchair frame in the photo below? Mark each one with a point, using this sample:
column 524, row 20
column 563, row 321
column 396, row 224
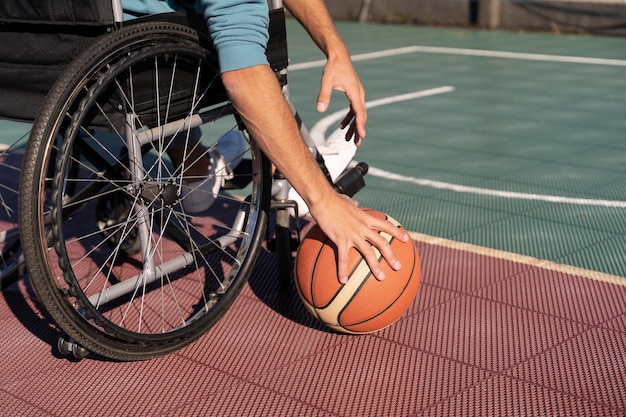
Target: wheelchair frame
column 69, row 163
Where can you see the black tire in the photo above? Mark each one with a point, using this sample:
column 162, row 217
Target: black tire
column 113, row 296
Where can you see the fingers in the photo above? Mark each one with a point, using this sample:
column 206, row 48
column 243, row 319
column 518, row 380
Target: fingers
column 340, row 76
column 357, row 116
column 379, row 245
column 342, row 263
column 371, row 247
column 348, row 119
column 351, row 132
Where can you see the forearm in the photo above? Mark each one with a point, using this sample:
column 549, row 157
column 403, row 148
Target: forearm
column 257, row 97
column 314, row 17
column 270, row 122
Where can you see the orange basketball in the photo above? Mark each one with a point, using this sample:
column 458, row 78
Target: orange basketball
column 363, row 304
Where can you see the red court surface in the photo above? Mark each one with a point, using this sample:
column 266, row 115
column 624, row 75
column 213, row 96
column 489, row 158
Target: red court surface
column 490, row 334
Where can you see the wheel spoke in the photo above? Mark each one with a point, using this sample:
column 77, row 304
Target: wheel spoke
column 137, row 272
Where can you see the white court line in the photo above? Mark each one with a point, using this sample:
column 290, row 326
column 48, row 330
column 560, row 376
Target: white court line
column 468, row 52
column 523, row 259
column 494, row 193
column 319, row 130
column 321, row 127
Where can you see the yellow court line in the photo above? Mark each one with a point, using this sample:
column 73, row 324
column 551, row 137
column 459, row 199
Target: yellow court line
column 523, row 259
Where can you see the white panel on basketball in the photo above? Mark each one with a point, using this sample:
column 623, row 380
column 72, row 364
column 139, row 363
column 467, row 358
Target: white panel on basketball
column 330, row 313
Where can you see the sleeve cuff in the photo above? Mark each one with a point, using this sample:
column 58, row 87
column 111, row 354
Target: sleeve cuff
column 236, row 55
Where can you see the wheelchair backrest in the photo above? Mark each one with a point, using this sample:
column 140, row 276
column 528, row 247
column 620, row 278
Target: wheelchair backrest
column 37, row 41
column 66, row 12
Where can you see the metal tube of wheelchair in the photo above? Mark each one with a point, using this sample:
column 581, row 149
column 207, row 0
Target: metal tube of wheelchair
column 182, row 261
column 280, row 188
column 276, row 4
column 168, row 129
column 118, row 11
column 132, row 284
column 172, row 128
column 135, row 159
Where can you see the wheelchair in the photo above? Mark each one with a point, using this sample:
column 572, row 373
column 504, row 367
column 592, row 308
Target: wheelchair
column 119, row 265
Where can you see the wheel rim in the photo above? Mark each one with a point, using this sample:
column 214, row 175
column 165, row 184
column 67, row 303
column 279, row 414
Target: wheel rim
column 197, row 262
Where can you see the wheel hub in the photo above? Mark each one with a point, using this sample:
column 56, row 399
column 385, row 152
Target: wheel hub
column 166, row 193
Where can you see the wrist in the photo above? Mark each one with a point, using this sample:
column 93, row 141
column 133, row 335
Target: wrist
column 335, row 49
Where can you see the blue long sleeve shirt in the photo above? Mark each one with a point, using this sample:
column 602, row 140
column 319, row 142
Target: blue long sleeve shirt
column 239, row 28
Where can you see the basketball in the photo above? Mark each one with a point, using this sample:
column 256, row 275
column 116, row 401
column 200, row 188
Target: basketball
column 363, row 304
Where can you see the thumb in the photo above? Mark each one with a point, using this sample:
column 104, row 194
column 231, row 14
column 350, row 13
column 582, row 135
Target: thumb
column 323, row 99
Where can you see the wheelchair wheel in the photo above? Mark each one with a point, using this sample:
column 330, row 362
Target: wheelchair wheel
column 119, row 264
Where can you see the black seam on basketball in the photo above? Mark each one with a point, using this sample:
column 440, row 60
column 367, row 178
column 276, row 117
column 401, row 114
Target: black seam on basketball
column 312, row 280
column 396, row 299
column 343, row 285
column 352, row 298
column 365, row 280
column 359, row 289
column 367, row 277
column 414, row 263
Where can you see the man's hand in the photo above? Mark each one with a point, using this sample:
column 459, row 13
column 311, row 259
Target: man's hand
column 339, row 75
column 348, row 226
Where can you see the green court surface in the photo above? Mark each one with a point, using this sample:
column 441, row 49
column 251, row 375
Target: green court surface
column 525, row 152
column 510, row 141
